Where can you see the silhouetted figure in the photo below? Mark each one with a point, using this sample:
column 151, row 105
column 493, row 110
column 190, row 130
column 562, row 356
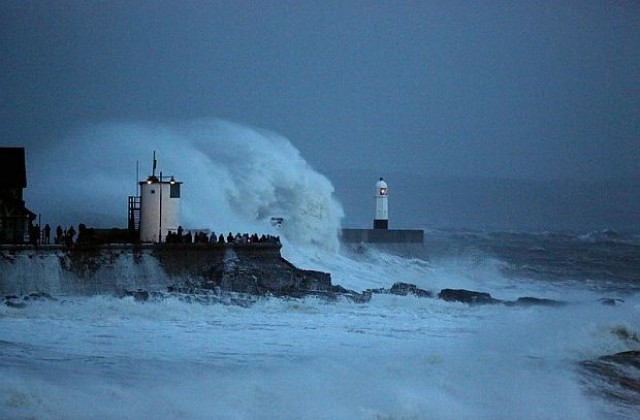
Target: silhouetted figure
column 188, row 238
column 34, row 235
column 230, row 238
column 71, row 232
column 82, row 233
column 59, row 234
column 47, row 234
column 221, row 239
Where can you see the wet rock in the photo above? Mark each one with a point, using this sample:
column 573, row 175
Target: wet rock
column 189, row 292
column 630, row 358
column 401, row 289
column 13, row 301
column 339, row 291
column 404, row 289
column 238, row 270
column 40, row 296
column 379, row 291
column 467, row 296
column 621, row 371
column 219, row 297
column 610, row 301
column 625, row 334
column 533, row 301
column 207, row 292
column 138, row 295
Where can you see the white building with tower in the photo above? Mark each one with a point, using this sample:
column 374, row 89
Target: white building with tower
column 382, row 205
column 159, row 206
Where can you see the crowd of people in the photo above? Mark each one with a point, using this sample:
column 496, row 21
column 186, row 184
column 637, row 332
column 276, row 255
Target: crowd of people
column 67, row 236
column 63, row 236
column 179, row 237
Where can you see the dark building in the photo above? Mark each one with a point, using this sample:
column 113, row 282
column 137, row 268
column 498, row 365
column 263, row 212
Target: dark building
column 15, row 218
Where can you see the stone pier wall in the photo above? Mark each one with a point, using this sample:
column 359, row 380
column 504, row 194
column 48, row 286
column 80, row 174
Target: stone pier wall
column 249, row 268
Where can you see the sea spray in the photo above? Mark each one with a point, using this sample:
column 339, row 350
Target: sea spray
column 397, row 357
column 394, row 357
column 235, row 179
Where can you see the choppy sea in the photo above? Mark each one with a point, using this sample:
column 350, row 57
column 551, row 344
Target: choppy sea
column 396, row 357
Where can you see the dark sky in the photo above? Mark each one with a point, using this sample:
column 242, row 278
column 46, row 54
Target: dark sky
column 525, row 90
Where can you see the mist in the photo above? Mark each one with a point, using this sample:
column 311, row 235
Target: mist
column 235, row 179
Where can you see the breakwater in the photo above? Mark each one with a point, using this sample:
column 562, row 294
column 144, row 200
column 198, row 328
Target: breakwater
column 257, row 269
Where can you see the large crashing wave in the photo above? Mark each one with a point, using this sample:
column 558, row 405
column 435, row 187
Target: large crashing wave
column 235, row 179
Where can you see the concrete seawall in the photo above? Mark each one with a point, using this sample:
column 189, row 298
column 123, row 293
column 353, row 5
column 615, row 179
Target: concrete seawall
column 383, row 236
column 252, row 268
column 404, row 242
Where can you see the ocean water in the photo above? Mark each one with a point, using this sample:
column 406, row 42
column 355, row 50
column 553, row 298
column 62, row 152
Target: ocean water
column 99, row 356
column 395, row 357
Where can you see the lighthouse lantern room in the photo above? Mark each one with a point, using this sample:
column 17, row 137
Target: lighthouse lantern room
column 159, row 206
column 382, row 206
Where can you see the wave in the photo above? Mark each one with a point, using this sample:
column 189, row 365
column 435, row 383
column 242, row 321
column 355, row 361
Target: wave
column 235, row 179
column 394, row 357
column 405, row 357
column 608, row 236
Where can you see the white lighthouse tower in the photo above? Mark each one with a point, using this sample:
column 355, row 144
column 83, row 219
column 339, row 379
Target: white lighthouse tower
column 159, row 206
column 382, row 206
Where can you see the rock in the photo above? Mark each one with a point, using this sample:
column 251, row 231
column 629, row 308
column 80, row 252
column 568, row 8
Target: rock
column 138, row 295
column 208, row 293
column 210, row 297
column 467, row 296
column 339, row 291
column 13, row 302
column 620, row 371
column 404, row 289
column 190, row 293
column 39, row 296
column 625, row 334
column 630, row 358
column 401, row 289
column 533, row 301
column 610, row 301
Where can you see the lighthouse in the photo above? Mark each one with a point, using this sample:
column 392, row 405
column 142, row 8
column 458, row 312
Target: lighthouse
column 408, row 242
column 159, row 206
column 382, row 206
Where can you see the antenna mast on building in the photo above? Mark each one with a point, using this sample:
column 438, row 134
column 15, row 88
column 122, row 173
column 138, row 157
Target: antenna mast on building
column 155, row 164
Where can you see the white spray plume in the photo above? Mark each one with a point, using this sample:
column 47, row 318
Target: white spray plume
column 235, row 179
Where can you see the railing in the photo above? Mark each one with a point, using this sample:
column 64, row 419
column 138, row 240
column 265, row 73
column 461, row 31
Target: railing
column 134, row 213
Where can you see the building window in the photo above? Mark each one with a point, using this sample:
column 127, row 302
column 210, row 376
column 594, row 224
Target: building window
column 174, row 190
